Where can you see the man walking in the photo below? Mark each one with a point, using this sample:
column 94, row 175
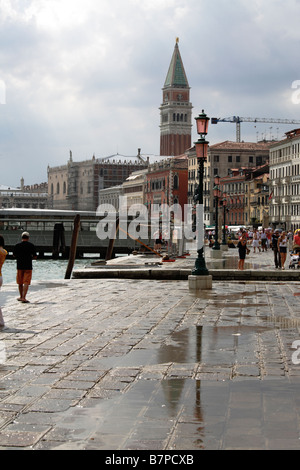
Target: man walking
column 277, row 259
column 24, row 253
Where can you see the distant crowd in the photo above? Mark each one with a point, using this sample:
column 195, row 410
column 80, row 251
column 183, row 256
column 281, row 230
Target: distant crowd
column 278, row 240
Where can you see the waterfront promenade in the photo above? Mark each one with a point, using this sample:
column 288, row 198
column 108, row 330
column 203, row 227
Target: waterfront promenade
column 135, row 364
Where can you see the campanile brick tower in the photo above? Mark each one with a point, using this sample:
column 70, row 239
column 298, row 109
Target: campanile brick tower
column 176, row 110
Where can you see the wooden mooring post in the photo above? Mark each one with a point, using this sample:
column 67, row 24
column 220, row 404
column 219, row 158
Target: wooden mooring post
column 73, row 247
column 112, row 240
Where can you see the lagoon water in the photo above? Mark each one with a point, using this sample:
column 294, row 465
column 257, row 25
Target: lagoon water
column 43, row 269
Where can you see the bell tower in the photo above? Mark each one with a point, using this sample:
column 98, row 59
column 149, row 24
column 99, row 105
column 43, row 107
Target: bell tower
column 176, row 109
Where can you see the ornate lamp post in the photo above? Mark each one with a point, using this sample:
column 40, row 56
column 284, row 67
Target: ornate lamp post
column 223, row 202
column 201, row 145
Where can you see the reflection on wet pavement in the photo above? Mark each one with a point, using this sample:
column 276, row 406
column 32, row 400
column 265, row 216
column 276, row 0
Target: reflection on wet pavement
column 150, row 365
column 221, row 380
column 186, row 414
column 231, row 262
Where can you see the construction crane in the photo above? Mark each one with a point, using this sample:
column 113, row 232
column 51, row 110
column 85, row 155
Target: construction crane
column 238, row 120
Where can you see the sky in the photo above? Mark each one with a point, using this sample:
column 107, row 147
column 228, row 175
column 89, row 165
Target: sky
column 88, row 76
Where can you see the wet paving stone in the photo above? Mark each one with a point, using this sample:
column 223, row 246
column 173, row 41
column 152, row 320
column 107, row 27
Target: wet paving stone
column 150, row 365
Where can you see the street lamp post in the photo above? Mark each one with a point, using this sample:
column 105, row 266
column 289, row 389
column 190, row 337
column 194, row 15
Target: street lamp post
column 224, row 245
column 216, row 245
column 223, row 201
column 200, row 276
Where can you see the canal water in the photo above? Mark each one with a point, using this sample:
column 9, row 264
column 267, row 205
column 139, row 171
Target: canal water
column 43, row 269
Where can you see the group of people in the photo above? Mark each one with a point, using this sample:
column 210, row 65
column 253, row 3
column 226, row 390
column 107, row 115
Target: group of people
column 281, row 242
column 24, row 252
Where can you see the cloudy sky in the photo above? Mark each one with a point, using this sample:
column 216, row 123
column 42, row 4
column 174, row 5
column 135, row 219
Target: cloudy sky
column 87, row 75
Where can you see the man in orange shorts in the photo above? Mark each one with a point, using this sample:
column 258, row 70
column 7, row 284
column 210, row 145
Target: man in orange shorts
column 24, row 253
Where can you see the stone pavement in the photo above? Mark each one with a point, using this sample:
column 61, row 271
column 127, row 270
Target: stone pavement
column 137, row 364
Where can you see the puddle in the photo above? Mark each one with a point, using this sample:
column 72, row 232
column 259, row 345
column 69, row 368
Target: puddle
column 188, row 414
column 200, row 343
column 231, row 262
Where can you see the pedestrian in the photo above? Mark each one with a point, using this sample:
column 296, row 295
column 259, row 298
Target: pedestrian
column 264, row 240
column 3, row 254
column 255, row 242
column 296, row 241
column 282, row 245
column 275, row 248
column 242, row 246
column 24, row 253
column 269, row 236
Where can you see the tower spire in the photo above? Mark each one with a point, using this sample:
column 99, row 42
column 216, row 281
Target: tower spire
column 176, row 74
column 176, row 109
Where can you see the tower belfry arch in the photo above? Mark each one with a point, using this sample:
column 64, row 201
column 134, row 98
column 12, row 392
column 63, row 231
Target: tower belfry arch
column 176, row 109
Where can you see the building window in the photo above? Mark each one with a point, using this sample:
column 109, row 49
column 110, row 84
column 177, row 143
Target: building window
column 176, row 182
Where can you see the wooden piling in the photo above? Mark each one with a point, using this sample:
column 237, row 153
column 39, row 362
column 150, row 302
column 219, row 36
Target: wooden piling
column 73, row 247
column 112, row 241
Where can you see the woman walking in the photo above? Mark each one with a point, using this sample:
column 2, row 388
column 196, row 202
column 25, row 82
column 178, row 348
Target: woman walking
column 242, row 246
column 282, row 245
column 255, row 242
column 3, row 254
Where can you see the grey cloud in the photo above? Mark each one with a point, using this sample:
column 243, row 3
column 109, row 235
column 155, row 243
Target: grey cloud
column 95, row 85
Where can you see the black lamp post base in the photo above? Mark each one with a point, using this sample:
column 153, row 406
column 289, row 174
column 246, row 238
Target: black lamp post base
column 200, row 268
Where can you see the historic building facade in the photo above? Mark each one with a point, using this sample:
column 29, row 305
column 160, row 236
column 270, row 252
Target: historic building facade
column 226, row 157
column 25, row 197
column 76, row 185
column 244, row 193
column 175, row 110
column 134, row 188
column 167, row 183
column 285, row 182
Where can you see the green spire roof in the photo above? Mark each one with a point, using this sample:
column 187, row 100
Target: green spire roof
column 176, row 75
